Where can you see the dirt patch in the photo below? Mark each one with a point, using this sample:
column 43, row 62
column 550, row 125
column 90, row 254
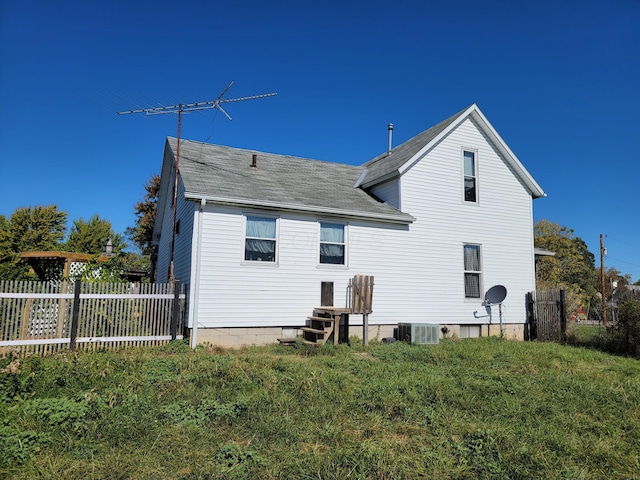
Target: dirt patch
column 366, row 355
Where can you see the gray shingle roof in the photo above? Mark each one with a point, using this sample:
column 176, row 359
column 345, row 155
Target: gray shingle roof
column 386, row 165
column 224, row 175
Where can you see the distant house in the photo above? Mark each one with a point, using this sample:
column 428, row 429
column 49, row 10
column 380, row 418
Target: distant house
column 437, row 221
column 634, row 290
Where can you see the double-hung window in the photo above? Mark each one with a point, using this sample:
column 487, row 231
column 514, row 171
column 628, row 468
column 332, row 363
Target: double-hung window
column 332, row 243
column 472, row 271
column 470, row 177
column 260, row 239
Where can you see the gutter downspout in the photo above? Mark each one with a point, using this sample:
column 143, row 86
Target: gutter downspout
column 196, row 293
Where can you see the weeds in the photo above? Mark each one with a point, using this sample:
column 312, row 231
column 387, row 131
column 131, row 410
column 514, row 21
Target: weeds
column 199, row 415
column 461, row 409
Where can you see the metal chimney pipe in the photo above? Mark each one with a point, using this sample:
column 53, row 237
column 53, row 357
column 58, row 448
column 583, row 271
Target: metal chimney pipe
column 390, row 128
column 254, row 161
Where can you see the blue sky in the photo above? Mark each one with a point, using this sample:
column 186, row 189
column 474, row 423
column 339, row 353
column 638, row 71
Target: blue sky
column 558, row 80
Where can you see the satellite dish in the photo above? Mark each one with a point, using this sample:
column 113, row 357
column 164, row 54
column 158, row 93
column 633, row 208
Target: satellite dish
column 495, row 295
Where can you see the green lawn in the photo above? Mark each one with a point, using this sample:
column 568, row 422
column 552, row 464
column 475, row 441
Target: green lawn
column 587, row 333
column 472, row 409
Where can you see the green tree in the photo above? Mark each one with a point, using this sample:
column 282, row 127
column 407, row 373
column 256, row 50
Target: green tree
column 92, row 236
column 572, row 264
column 571, row 268
column 37, row 228
column 142, row 233
column 29, row 229
column 627, row 329
column 6, row 254
column 615, row 283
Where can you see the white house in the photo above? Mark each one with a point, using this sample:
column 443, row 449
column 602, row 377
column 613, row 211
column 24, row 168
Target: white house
column 437, row 221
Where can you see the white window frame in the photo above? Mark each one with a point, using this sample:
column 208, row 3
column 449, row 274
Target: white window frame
column 245, row 217
column 474, row 152
column 477, row 273
column 345, row 227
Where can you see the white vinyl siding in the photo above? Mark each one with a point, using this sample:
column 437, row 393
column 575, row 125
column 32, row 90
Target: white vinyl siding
column 388, row 192
column 182, row 248
column 417, row 267
column 431, row 287
column 236, row 294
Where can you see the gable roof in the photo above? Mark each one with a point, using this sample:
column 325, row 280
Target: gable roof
column 405, row 155
column 224, row 176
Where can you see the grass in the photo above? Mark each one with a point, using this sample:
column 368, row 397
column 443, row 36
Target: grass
column 587, row 333
column 479, row 408
column 606, row 339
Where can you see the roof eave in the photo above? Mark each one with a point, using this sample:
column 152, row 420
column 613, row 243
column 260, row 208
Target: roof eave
column 165, row 176
column 527, row 178
column 382, row 179
column 397, row 219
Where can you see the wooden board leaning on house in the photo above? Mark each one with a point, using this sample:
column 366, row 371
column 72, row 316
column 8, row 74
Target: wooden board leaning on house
column 361, row 287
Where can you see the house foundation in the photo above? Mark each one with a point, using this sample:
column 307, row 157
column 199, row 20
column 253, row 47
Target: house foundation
column 248, row 336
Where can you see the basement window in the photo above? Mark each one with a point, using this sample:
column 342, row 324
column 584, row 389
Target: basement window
column 469, row 331
column 260, row 239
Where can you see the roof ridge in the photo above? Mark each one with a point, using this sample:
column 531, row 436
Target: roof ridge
column 250, row 150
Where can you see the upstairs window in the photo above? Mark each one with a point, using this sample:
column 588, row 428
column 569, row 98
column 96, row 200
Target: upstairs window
column 472, row 271
column 260, row 239
column 332, row 243
column 470, row 177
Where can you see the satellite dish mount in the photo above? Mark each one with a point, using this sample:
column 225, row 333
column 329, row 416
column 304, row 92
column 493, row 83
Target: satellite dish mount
column 495, row 296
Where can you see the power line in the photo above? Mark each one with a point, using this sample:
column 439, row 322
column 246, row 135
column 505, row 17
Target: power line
column 621, row 241
column 609, row 257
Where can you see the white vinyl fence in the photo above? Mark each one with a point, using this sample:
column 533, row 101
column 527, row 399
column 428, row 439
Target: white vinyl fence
column 47, row 317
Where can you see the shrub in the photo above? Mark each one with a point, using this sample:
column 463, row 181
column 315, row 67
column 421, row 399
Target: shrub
column 187, row 414
column 14, row 382
column 627, row 327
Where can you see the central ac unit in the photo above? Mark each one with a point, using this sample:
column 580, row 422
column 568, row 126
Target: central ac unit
column 421, row 333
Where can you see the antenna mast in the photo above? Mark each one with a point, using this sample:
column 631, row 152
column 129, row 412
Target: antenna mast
column 186, row 108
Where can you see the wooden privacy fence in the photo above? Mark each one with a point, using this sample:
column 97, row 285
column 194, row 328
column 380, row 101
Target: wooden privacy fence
column 46, row 317
column 547, row 314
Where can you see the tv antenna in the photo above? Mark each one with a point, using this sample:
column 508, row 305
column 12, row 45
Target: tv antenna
column 181, row 108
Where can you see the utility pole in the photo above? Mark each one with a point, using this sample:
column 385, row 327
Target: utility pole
column 602, row 283
column 186, row 108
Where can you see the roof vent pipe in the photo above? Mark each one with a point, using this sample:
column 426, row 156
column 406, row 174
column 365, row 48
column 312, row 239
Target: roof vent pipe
column 254, row 161
column 390, row 127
